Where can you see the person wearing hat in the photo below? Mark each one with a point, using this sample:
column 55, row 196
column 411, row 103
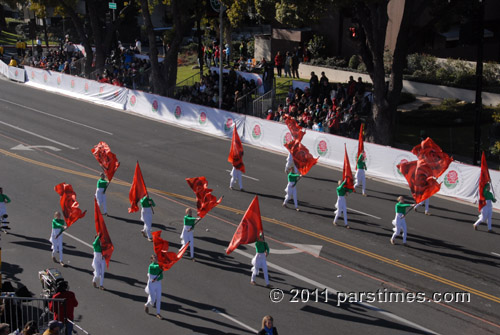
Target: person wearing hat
column 291, row 190
column 259, row 260
column 56, row 238
column 187, row 231
column 270, row 115
column 153, row 289
column 4, row 199
column 100, row 194
column 54, row 328
column 4, row 329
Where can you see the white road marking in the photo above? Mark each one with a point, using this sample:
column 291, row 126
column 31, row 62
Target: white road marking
column 494, row 253
column 244, row 175
column 77, row 239
column 255, row 331
column 360, row 212
column 57, row 117
column 28, row 147
column 298, row 248
column 332, row 290
column 37, row 135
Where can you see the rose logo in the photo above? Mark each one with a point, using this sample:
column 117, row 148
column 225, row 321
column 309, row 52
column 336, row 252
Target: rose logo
column 178, row 112
column 116, row 94
column 16, row 73
column 86, row 87
column 203, row 118
column 45, row 77
column 32, row 74
column 287, row 138
column 72, row 83
column 228, row 125
column 58, row 80
column 101, row 90
column 133, row 100
column 451, row 179
column 322, row 148
column 256, row 132
column 154, row 106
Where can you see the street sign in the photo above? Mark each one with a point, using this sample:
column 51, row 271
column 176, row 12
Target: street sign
column 112, row 5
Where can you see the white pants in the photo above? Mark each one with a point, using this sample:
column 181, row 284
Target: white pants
column 187, row 236
column 57, row 243
column 290, row 164
column 236, row 175
column 99, row 265
column 426, row 202
column 291, row 191
column 101, row 200
column 341, row 208
column 399, row 224
column 360, row 179
column 147, row 218
column 153, row 289
column 259, row 262
column 3, row 211
column 486, row 213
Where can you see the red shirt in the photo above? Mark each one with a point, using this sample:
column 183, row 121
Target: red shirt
column 58, row 307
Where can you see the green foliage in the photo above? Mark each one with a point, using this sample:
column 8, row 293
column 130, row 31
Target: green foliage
column 354, row 62
column 317, row 46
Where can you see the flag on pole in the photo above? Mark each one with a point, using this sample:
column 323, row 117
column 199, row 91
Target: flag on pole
column 294, row 128
column 166, row 259
column 137, row 190
column 69, row 205
column 437, row 160
column 484, row 178
column 107, row 160
column 420, row 179
column 361, row 144
column 302, row 159
column 205, row 201
column 236, row 152
column 249, row 228
column 107, row 247
column 347, row 172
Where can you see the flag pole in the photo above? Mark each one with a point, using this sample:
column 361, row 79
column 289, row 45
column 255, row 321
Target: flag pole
column 147, row 193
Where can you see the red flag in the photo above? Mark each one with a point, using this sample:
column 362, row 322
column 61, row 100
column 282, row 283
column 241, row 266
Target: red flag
column 100, row 228
column 236, row 152
column 420, row 179
column 302, row 159
column 205, row 201
column 166, row 259
column 347, row 172
column 484, row 178
column 361, row 144
column 69, row 205
column 432, row 154
column 107, row 160
column 249, row 228
column 137, row 190
column 294, row 128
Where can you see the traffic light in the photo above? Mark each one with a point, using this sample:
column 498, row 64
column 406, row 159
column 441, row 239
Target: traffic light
column 353, row 33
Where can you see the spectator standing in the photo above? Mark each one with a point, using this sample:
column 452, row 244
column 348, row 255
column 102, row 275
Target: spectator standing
column 278, row 62
column 295, row 65
column 288, row 64
column 138, row 46
column 314, row 85
column 64, row 313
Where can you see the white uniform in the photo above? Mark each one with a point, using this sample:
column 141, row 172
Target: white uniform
column 57, row 243
column 399, row 224
column 291, row 191
column 259, row 262
column 187, row 236
column 147, row 218
column 99, row 265
column 360, row 179
column 101, row 199
column 236, row 175
column 341, row 208
column 290, row 164
column 153, row 289
column 486, row 213
column 426, row 202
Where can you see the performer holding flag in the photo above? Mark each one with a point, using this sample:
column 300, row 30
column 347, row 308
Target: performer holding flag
column 109, row 164
column 58, row 226
column 103, row 248
column 187, row 231
column 236, row 158
column 139, row 193
column 399, row 221
column 147, row 205
column 360, row 164
column 485, row 196
column 291, row 190
column 297, row 133
column 259, row 260
column 100, row 193
column 345, row 186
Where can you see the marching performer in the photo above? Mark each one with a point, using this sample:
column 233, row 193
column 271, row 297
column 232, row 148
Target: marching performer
column 360, row 173
column 236, row 176
column 153, row 288
column 187, row 231
column 4, row 199
column 399, row 221
column 290, row 164
column 341, row 203
column 147, row 216
column 487, row 210
column 259, row 260
column 98, row 263
column 100, row 194
column 291, row 190
column 56, row 238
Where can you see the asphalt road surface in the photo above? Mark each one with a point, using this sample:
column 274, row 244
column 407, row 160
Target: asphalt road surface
column 46, row 139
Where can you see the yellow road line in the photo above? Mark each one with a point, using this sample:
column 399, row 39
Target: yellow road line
column 285, row 225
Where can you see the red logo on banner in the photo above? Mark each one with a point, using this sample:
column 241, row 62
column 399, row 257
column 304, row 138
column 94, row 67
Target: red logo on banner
column 178, row 112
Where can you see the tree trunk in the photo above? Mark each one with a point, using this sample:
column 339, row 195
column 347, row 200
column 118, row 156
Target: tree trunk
column 45, row 33
column 158, row 85
column 3, row 23
column 100, row 57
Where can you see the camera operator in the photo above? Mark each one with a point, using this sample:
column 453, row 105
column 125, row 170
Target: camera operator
column 58, row 309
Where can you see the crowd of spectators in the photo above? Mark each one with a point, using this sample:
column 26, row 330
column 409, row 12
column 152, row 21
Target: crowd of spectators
column 334, row 108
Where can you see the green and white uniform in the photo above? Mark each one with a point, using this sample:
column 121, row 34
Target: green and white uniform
column 399, row 221
column 341, row 203
column 291, row 190
column 102, row 184
column 360, row 173
column 147, row 215
column 153, row 289
column 98, row 263
column 187, row 233
column 259, row 260
column 57, row 242
column 487, row 210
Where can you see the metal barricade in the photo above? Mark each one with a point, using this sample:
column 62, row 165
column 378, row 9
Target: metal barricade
column 263, row 103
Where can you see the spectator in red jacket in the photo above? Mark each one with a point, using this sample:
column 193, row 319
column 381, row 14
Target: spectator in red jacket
column 278, row 62
column 62, row 313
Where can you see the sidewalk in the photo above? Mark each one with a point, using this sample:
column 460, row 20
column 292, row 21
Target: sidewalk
column 420, row 100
